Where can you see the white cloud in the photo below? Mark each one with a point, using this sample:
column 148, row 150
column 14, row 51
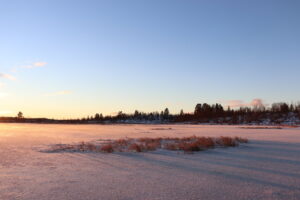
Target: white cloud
column 1, row 85
column 59, row 93
column 257, row 102
column 35, row 65
column 39, row 64
column 239, row 103
column 7, row 76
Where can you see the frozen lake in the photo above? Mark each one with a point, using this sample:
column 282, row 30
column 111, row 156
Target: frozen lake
column 266, row 168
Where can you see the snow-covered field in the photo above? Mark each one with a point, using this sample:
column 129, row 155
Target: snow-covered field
column 266, row 168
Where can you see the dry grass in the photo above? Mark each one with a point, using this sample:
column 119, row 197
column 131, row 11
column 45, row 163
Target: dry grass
column 122, row 142
column 62, row 147
column 289, row 126
column 108, row 148
column 189, row 144
column 227, row 142
column 91, row 147
column 171, row 146
column 189, row 147
column 261, row 127
column 241, row 140
column 135, row 147
column 150, row 140
column 81, row 146
column 161, row 129
column 185, row 144
column 152, row 146
column 206, row 142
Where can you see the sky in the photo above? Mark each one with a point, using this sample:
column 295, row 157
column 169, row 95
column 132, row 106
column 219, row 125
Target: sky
column 73, row 58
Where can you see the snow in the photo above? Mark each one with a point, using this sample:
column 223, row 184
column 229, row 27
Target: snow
column 266, row 168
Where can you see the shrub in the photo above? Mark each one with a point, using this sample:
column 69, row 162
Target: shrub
column 226, row 142
column 91, row 147
column 62, row 147
column 81, row 146
column 121, row 142
column 171, row 146
column 187, row 139
column 206, row 142
column 241, row 140
column 152, row 146
column 149, row 140
column 189, row 146
column 186, row 144
column 135, row 147
column 108, row 148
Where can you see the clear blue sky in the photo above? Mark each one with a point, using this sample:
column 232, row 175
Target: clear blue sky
column 71, row 58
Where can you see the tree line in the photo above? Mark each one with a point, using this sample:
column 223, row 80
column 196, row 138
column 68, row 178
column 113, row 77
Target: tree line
column 203, row 113
column 211, row 113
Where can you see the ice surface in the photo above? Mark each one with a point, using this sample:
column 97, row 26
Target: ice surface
column 266, row 168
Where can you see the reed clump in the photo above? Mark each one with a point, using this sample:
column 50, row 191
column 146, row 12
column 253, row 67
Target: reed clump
column 186, row 144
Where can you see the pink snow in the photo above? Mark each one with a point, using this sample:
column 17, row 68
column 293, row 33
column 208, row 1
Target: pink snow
column 268, row 167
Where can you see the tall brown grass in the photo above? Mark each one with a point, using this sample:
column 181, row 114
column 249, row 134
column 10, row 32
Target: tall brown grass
column 135, row 147
column 206, row 142
column 189, row 146
column 108, row 148
column 241, row 140
column 186, row 144
column 226, row 141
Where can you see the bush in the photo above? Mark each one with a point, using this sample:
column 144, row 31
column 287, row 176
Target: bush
column 226, row 142
column 135, row 147
column 171, row 146
column 206, row 142
column 241, row 140
column 108, row 148
column 149, row 140
column 122, row 142
column 152, row 146
column 189, row 146
column 81, row 146
column 91, row 147
column 186, row 144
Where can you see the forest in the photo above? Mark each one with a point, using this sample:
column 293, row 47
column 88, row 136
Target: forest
column 277, row 113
